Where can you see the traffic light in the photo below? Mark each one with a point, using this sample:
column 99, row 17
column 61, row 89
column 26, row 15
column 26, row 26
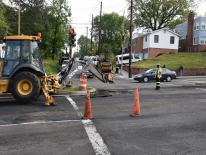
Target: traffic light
column 72, row 38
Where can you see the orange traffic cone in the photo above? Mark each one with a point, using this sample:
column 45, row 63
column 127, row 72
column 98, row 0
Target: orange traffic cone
column 136, row 108
column 88, row 108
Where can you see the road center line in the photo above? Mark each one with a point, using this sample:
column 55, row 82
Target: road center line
column 38, row 122
column 100, row 148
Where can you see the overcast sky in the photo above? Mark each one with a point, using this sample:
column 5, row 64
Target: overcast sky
column 82, row 11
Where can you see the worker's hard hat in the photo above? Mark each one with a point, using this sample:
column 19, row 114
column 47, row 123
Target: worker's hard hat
column 158, row 64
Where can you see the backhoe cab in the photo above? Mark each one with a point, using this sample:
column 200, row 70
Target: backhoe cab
column 21, row 69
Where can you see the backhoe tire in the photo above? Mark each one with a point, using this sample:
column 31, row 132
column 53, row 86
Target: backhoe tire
column 25, row 87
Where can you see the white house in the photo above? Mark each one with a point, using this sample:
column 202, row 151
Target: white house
column 153, row 43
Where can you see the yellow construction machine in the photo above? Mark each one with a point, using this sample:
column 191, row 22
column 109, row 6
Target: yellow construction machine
column 22, row 73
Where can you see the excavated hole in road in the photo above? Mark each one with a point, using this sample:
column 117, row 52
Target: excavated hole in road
column 108, row 93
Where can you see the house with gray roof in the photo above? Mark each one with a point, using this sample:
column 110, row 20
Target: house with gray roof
column 192, row 34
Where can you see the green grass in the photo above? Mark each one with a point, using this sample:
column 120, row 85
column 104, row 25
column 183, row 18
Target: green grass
column 51, row 66
column 173, row 61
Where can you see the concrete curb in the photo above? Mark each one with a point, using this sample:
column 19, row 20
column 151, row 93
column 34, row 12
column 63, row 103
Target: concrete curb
column 76, row 92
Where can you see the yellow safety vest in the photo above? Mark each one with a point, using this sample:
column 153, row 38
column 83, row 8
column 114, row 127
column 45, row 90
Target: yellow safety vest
column 158, row 73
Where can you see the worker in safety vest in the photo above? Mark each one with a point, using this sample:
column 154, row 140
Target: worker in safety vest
column 158, row 75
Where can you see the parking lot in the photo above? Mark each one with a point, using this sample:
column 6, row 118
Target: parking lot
column 172, row 121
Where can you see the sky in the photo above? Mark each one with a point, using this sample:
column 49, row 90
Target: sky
column 82, row 11
column 201, row 9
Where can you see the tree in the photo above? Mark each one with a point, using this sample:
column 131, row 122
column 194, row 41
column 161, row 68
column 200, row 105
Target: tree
column 31, row 15
column 157, row 14
column 57, row 34
column 38, row 16
column 111, row 30
column 3, row 25
column 11, row 18
column 84, row 45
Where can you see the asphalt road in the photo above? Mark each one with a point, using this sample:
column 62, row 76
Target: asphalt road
column 172, row 121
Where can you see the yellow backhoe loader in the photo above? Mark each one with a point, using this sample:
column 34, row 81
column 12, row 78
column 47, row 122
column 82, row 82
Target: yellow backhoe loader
column 22, row 73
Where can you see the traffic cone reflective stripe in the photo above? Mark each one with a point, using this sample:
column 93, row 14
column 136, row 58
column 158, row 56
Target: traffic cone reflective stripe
column 88, row 107
column 136, row 107
column 83, row 82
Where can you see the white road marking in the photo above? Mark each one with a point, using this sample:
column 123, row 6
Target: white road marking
column 170, row 84
column 201, row 89
column 6, row 97
column 38, row 122
column 100, row 148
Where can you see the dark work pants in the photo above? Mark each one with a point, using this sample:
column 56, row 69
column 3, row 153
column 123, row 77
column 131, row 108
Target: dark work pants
column 157, row 83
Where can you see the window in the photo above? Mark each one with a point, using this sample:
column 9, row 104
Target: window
column 133, row 42
column 203, row 27
column 13, row 50
column 136, row 56
column 156, row 38
column 12, row 56
column 125, row 57
column 194, row 27
column 25, row 51
column 198, row 27
column 195, row 41
column 145, row 38
column 35, row 58
column 201, row 41
column 172, row 39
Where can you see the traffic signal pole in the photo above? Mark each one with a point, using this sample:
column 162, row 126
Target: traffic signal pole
column 70, row 51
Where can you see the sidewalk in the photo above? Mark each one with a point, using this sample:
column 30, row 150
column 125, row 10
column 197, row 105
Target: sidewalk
column 123, row 75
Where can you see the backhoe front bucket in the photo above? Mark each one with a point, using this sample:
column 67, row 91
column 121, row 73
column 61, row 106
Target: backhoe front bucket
column 49, row 84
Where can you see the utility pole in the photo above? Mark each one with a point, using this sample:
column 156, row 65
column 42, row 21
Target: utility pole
column 130, row 39
column 19, row 18
column 100, row 28
column 70, row 51
column 87, row 41
column 92, row 31
column 123, row 35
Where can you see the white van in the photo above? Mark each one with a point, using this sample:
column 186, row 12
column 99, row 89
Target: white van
column 124, row 58
column 2, row 50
